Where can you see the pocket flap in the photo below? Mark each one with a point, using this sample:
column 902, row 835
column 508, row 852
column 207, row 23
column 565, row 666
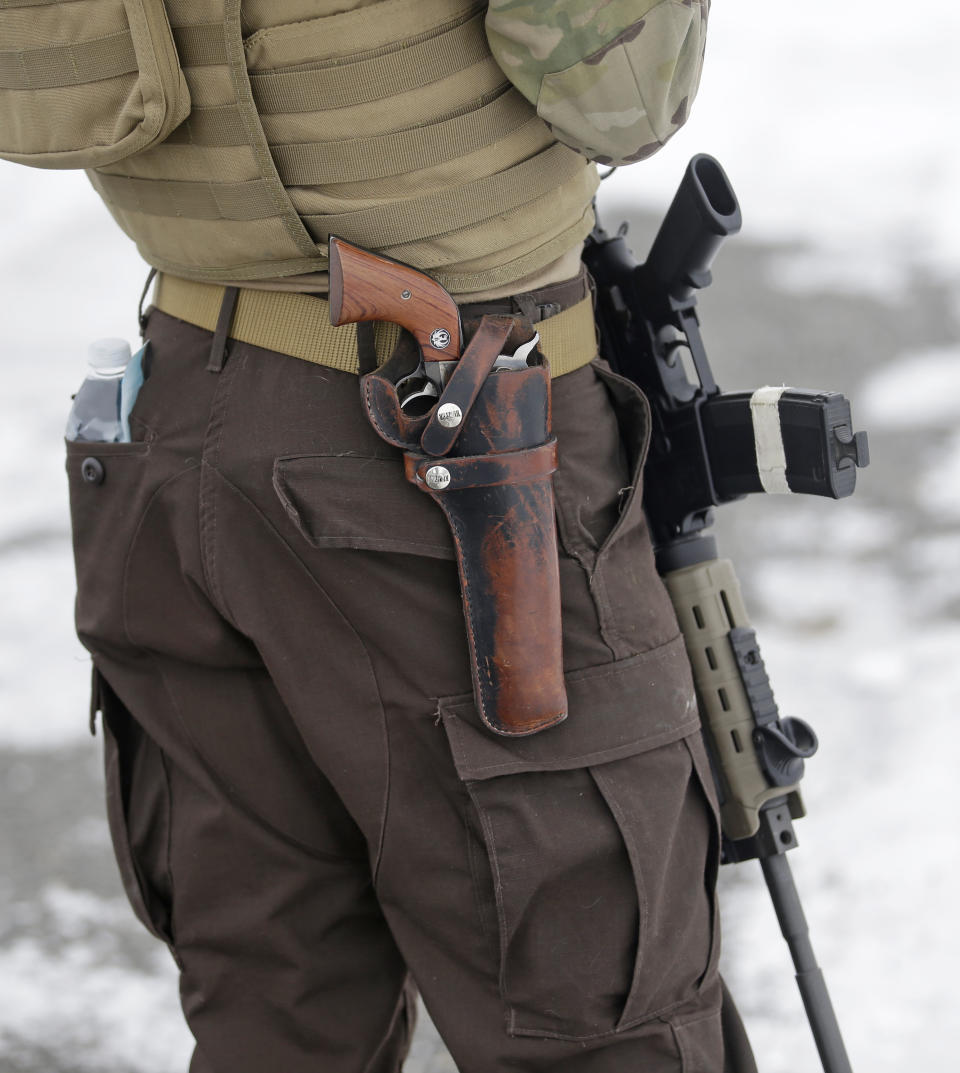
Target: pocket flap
column 360, row 501
column 616, row 709
column 85, row 85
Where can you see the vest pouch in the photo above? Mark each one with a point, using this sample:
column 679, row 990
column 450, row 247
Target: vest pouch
column 85, row 83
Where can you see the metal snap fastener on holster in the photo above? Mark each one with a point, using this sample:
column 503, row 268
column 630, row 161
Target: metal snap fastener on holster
column 437, row 478
column 92, row 471
column 449, row 415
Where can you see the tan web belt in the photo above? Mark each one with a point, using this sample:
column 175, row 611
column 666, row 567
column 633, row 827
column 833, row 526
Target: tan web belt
column 299, row 325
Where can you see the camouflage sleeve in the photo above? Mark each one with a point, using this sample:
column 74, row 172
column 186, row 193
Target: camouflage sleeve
column 614, row 79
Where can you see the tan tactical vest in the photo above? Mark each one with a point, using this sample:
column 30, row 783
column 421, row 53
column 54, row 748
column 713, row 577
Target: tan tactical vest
column 230, row 144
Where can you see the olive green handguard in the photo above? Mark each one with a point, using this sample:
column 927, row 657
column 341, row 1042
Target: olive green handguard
column 709, row 604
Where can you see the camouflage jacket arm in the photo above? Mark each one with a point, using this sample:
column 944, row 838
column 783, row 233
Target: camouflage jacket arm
column 614, row 79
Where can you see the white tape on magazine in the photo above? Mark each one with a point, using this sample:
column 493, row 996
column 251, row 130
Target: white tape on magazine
column 768, row 436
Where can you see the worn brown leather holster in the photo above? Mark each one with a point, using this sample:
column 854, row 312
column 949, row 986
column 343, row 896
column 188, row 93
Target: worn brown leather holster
column 491, row 474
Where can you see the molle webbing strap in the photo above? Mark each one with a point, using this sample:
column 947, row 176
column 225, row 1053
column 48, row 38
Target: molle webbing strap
column 307, row 102
column 299, row 325
column 196, row 201
column 68, row 65
column 363, row 159
column 201, row 46
column 342, row 84
column 461, row 281
column 389, row 225
column 435, row 214
column 214, row 127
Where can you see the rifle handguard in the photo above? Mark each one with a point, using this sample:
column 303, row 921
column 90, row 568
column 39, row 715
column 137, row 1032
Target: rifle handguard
column 711, row 613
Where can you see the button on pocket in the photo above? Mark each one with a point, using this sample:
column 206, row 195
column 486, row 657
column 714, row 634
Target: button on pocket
column 92, row 471
column 602, row 847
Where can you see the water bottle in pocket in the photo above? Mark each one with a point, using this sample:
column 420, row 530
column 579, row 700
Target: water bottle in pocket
column 101, row 408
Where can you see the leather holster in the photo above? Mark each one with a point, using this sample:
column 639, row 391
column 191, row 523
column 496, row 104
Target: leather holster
column 491, row 474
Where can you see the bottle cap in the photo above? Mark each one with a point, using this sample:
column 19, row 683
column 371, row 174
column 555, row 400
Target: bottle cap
column 109, row 356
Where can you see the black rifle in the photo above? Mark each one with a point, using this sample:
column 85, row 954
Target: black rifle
column 708, row 448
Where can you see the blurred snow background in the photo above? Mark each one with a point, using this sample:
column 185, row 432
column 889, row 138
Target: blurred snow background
column 837, row 126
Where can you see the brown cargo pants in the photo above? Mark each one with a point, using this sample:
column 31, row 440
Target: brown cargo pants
column 304, row 803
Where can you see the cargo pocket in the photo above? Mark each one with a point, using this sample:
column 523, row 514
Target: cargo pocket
column 83, row 85
column 602, row 846
column 138, row 812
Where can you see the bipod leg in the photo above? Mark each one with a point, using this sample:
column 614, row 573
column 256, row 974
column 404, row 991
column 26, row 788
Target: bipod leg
column 813, row 988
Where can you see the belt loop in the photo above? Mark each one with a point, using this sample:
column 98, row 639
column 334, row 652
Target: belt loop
column 218, row 349
column 527, row 305
column 141, row 316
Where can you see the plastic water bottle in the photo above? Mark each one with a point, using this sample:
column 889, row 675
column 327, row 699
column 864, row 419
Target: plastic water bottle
column 95, row 415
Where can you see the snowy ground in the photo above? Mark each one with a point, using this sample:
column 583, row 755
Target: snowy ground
column 835, row 124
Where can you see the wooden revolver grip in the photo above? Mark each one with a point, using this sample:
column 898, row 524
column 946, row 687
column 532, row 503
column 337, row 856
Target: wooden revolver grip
column 365, row 286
